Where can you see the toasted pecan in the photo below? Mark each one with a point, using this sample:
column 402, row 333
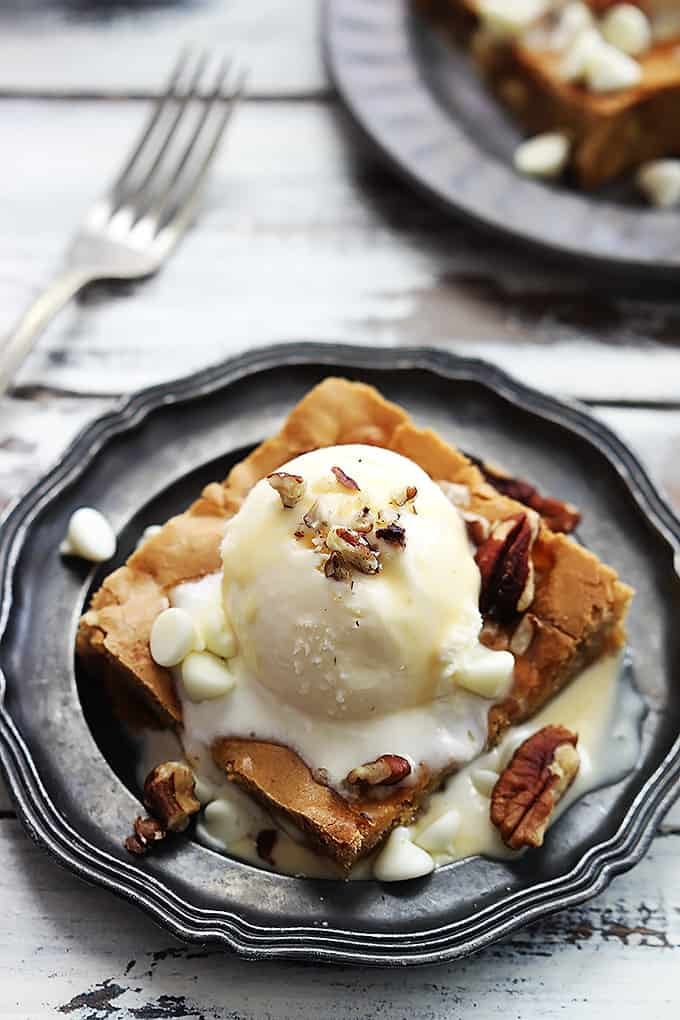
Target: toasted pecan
column 506, row 567
column 528, row 790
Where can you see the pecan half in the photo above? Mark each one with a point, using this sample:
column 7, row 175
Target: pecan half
column 345, row 479
column 393, row 534
column 528, row 790
column 505, row 563
column 169, row 795
column 291, row 488
column 387, row 770
column 558, row 515
column 354, row 549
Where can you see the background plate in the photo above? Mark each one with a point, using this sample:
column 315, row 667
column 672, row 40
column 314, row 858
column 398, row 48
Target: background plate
column 421, row 101
column 70, row 775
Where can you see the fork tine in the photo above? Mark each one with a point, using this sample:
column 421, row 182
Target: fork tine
column 187, row 181
column 155, row 205
column 181, row 103
column 159, row 107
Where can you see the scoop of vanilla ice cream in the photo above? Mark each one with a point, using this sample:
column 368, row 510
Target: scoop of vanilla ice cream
column 366, row 644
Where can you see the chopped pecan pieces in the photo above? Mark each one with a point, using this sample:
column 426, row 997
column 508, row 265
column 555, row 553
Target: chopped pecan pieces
column 169, row 795
column 363, row 521
column 505, row 563
column 336, row 568
column 387, row 770
column 134, row 845
column 345, row 479
column 312, row 519
column 291, row 488
column 393, row 534
column 558, row 516
column 354, row 549
column 147, row 832
column 407, row 495
column 528, row 790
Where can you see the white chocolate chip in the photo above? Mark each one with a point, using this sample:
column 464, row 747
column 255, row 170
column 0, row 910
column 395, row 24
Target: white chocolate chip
column 205, row 676
column 401, row 859
column 89, row 535
column 225, row 822
column 485, row 672
column 659, row 181
column 579, row 53
column 509, row 18
column 627, row 28
column 173, row 637
column 438, row 837
column 543, row 156
column 218, row 636
column 610, row 70
column 574, row 18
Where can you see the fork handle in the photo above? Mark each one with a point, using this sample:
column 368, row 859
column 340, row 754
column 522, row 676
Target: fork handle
column 18, row 344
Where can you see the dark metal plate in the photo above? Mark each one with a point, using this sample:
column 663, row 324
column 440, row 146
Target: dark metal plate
column 423, row 104
column 69, row 769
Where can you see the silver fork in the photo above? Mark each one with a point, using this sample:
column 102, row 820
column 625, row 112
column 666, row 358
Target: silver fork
column 130, row 231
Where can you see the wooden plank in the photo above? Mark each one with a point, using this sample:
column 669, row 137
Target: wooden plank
column 33, row 433
column 104, row 957
column 303, row 236
column 126, row 49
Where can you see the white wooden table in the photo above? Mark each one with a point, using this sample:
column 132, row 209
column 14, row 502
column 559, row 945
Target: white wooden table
column 303, row 235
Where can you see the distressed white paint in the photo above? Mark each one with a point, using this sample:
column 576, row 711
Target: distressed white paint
column 619, row 951
column 121, row 49
column 302, row 236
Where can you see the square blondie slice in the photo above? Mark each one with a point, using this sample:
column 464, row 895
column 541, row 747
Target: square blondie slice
column 576, row 612
column 611, row 132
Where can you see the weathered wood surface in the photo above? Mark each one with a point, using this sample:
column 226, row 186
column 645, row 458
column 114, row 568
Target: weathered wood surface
column 103, row 47
column 619, row 952
column 303, row 236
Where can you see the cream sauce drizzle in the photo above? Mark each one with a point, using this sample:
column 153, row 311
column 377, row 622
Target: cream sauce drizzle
column 601, row 705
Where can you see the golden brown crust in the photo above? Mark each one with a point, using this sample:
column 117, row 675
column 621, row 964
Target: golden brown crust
column 611, row 132
column 576, row 613
column 345, row 829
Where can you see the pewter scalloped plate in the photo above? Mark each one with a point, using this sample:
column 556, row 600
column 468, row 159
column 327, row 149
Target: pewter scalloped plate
column 70, row 766
column 423, row 104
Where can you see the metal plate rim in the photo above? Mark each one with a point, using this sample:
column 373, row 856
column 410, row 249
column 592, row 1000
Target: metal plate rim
column 48, row 828
column 387, row 136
